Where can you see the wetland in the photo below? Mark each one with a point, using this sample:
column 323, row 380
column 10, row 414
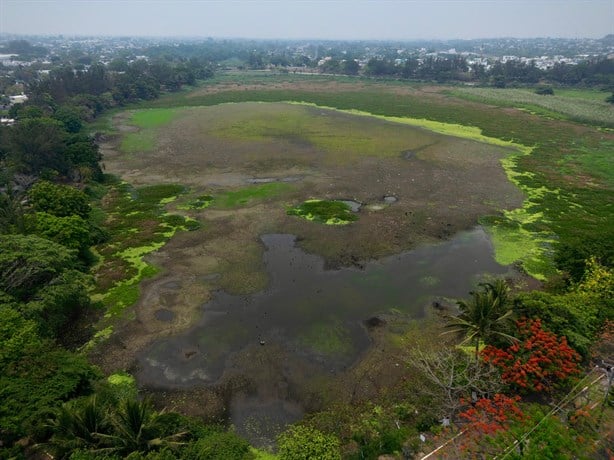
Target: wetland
column 262, row 296
column 309, row 323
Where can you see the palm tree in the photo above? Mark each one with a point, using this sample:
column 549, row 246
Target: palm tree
column 130, row 426
column 134, row 426
column 80, row 427
column 137, row 427
column 485, row 316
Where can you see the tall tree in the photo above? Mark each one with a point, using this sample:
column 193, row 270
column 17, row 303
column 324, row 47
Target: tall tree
column 11, row 211
column 38, row 144
column 486, row 316
column 58, row 200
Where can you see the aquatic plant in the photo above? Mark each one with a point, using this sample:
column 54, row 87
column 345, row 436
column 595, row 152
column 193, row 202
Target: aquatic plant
column 329, row 212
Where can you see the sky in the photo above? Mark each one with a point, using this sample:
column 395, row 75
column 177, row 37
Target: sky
column 323, row 19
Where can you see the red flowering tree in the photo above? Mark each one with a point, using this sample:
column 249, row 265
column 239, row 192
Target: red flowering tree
column 537, row 361
column 486, row 418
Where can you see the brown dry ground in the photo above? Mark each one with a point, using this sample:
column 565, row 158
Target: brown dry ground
column 444, row 186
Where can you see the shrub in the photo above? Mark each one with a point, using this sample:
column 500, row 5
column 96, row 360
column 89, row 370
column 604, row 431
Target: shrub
column 544, row 91
column 218, row 445
column 305, row 443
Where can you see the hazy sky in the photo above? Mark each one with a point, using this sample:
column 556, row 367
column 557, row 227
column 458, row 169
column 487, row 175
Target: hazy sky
column 327, row 19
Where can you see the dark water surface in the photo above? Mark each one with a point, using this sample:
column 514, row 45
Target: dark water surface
column 310, row 318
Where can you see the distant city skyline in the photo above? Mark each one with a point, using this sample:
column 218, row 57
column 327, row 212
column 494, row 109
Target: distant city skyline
column 313, row 19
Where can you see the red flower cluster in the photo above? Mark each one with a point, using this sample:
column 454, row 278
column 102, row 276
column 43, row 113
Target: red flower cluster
column 537, row 360
column 488, row 416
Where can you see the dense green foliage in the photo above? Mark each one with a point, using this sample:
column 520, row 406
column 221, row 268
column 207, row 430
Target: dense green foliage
column 44, row 241
column 29, row 262
column 36, row 144
column 305, row 443
column 11, row 211
column 17, row 335
column 40, row 279
column 108, row 426
column 35, row 381
column 39, row 145
column 578, row 313
column 218, row 444
column 500, row 74
column 58, row 200
column 41, row 290
column 71, row 231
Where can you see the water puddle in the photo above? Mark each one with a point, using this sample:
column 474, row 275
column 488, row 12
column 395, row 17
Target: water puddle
column 309, row 321
column 353, row 205
column 163, row 314
column 389, row 199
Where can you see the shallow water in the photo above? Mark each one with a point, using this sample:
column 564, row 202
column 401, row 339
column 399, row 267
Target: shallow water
column 305, row 305
column 163, row 314
column 353, row 205
column 309, row 318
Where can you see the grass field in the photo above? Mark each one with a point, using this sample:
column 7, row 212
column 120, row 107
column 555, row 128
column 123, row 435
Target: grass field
column 586, row 106
column 251, row 194
column 147, row 122
column 343, row 138
column 154, row 118
column 587, row 94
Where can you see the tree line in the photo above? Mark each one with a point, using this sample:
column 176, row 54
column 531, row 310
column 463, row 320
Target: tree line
column 598, row 72
column 50, row 172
